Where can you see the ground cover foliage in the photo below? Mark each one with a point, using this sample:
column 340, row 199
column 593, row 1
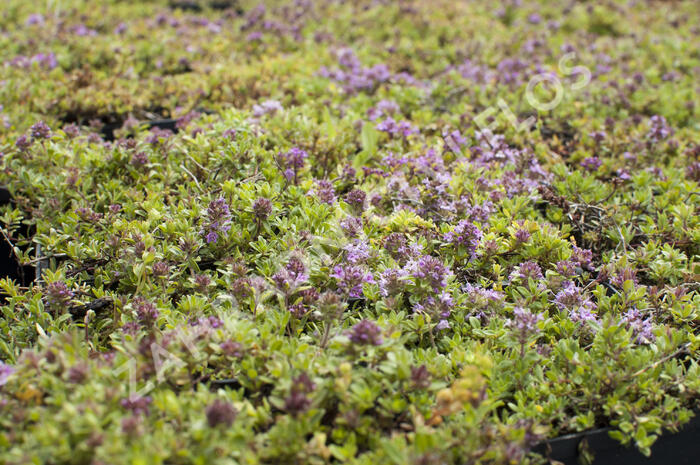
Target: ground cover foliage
column 361, row 236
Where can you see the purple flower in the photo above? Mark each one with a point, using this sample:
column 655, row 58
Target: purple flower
column 420, row 377
column 391, row 281
column 429, row 270
column 5, row 372
column 325, row 192
column 357, row 252
column 625, row 274
column 40, row 130
column 583, row 257
column 202, row 283
column 120, row 29
column 640, row 327
column 34, row 19
column 298, row 400
column 525, row 322
column 146, row 312
column 220, row 412
column 670, row 76
column 395, row 244
column 82, row 30
column 598, row 136
column 693, row 171
column 295, row 157
column 591, row 163
column 298, row 310
column 160, row 269
column 534, row 18
column 512, row 71
column 348, row 59
column 262, row 208
column 43, row 60
column 58, row 295
column 475, row 71
column 158, row 135
column 72, row 130
column 137, row 404
column 291, row 277
column 353, row 75
column 572, row 299
column 294, row 160
column 219, row 219
column 212, row 237
column 566, row 268
column 366, row 332
column 439, row 306
column 403, row 128
column 356, row 199
column 87, row 214
column 442, row 325
column 254, row 37
column 296, row 269
column 527, row 270
column 351, row 226
column 47, row 61
column 211, row 321
column 454, row 140
column 582, row 315
column 522, row 236
column 350, row 279
column 481, row 299
column 139, row 159
column 465, row 234
column 388, row 125
column 659, row 129
column 232, row 348
column 383, row 108
column 267, row 107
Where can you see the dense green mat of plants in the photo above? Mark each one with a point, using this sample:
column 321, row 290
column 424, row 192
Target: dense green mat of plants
column 367, row 237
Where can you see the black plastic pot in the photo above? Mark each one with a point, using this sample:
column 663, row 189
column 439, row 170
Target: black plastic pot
column 679, row 448
column 186, row 5
column 226, row 5
column 169, row 123
column 9, row 266
column 198, row 5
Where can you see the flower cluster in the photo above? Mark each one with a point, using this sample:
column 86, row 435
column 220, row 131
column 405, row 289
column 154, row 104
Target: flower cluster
column 58, row 295
column 218, row 220
column 525, row 322
column 366, row 332
column 298, row 401
column 220, row 412
column 353, row 76
column 293, row 161
column 393, row 128
column 572, row 299
column 641, row 327
column 465, row 234
column 350, row 279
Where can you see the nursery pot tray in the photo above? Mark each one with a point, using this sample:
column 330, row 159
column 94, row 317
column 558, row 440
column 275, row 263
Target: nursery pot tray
column 679, row 448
